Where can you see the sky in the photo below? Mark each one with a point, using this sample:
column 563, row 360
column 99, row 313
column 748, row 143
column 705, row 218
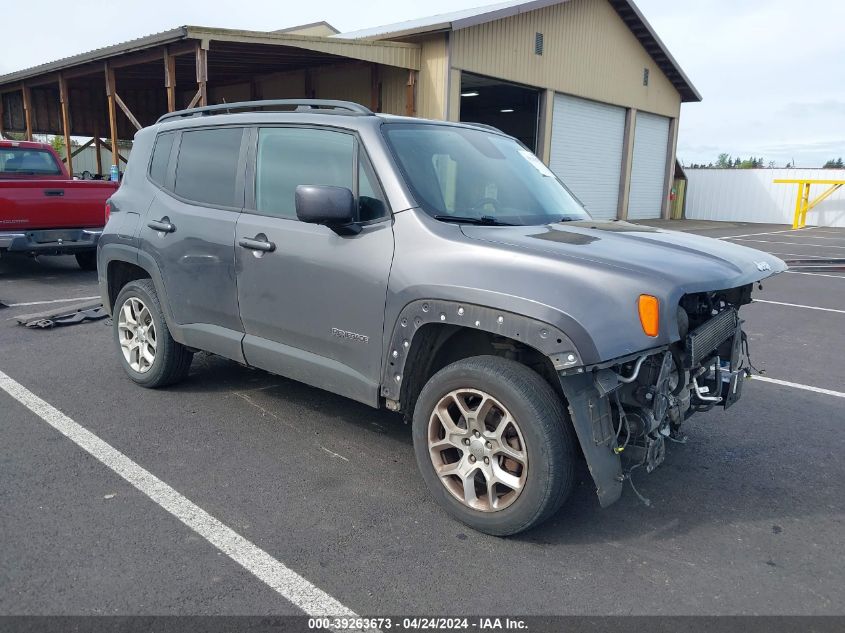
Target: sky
column 772, row 72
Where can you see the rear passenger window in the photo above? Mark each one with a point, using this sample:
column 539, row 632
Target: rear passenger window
column 161, row 157
column 207, row 167
column 288, row 157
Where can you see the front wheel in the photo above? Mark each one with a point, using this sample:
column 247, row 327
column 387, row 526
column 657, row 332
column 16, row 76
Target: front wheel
column 494, row 444
column 147, row 350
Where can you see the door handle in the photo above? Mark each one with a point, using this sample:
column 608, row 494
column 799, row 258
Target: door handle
column 54, row 192
column 162, row 225
column 258, row 243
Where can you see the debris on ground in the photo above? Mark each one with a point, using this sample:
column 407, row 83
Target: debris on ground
column 65, row 315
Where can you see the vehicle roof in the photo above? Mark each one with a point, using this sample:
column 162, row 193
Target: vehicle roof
column 352, row 121
column 25, row 144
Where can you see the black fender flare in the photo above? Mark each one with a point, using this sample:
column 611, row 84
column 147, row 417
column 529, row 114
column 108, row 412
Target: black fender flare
column 545, row 338
column 132, row 255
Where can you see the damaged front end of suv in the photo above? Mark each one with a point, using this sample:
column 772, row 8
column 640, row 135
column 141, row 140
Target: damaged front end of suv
column 625, row 411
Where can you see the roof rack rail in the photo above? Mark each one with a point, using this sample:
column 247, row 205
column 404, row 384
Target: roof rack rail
column 299, row 105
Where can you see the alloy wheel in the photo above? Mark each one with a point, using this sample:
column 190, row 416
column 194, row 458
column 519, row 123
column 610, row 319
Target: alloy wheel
column 137, row 334
column 477, row 450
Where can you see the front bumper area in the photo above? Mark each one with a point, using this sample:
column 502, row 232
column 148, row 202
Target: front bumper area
column 625, row 411
column 50, row 241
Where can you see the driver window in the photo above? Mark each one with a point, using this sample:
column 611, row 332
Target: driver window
column 293, row 156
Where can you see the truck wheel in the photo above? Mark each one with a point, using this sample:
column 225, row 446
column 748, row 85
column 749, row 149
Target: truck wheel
column 494, row 444
column 87, row 260
column 147, row 351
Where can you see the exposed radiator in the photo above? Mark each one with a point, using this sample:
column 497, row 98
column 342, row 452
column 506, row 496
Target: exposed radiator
column 704, row 339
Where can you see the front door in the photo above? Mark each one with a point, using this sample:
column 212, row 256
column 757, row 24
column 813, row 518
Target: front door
column 312, row 302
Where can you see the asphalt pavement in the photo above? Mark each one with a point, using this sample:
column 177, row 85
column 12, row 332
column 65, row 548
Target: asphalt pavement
column 746, row 518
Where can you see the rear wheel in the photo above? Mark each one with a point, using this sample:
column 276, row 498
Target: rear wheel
column 87, row 260
column 147, row 351
column 494, row 444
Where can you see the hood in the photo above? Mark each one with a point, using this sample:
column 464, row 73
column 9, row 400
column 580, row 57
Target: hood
column 689, row 262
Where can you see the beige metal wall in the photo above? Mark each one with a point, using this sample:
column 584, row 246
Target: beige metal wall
column 588, row 52
column 350, row 83
column 431, row 82
column 393, row 89
column 290, row 85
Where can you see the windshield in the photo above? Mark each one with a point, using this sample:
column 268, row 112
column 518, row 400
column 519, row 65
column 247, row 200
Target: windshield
column 464, row 174
column 29, row 162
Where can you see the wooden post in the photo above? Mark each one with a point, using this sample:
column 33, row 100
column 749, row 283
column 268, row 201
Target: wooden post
column 27, row 110
column 202, row 74
column 309, row 84
column 64, row 99
column 170, row 79
column 97, row 145
column 375, row 89
column 112, row 113
column 410, row 105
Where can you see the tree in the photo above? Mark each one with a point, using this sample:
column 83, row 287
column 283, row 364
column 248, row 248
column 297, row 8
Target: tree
column 834, row 164
column 724, row 161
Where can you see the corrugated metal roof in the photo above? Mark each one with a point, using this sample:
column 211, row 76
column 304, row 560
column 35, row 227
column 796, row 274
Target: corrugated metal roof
column 448, row 21
column 164, row 37
column 389, row 53
column 627, row 10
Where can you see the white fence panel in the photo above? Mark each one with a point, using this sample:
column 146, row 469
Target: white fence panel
column 86, row 160
column 749, row 195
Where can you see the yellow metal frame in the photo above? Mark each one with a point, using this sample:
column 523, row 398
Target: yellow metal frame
column 803, row 204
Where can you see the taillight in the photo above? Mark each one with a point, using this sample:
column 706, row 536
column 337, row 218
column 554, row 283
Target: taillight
column 649, row 309
column 108, row 213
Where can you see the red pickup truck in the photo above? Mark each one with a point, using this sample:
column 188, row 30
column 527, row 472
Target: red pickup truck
column 43, row 210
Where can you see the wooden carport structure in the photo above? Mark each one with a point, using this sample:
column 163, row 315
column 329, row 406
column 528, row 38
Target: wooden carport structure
column 116, row 90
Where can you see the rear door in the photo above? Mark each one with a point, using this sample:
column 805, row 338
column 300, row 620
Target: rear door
column 190, row 231
column 313, row 307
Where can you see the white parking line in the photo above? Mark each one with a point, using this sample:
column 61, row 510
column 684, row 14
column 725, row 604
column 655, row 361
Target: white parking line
column 731, row 237
column 286, row 582
column 799, row 255
column 814, row 237
column 786, row 383
column 39, row 303
column 796, row 272
column 798, row 305
column 792, row 243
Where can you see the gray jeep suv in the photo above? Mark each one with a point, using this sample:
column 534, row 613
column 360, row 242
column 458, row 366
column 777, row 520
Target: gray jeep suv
column 436, row 269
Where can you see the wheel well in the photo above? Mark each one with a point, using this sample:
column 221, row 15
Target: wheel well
column 119, row 274
column 435, row 345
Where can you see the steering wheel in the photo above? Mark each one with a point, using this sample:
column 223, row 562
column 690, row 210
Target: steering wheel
column 482, row 201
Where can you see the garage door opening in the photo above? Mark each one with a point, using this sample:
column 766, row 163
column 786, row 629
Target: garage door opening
column 509, row 107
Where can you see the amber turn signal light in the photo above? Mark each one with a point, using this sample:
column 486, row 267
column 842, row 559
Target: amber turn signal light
column 649, row 308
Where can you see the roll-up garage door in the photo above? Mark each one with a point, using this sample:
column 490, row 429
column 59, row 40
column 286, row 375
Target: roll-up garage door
column 586, row 151
column 648, row 170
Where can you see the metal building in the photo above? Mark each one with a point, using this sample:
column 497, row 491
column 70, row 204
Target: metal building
column 586, row 84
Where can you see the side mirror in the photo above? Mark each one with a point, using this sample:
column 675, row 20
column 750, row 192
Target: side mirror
column 323, row 204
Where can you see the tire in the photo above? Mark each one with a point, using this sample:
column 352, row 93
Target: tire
column 87, row 260
column 542, row 432
column 171, row 361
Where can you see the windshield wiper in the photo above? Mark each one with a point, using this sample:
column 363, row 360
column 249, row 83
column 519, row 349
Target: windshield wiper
column 484, row 220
